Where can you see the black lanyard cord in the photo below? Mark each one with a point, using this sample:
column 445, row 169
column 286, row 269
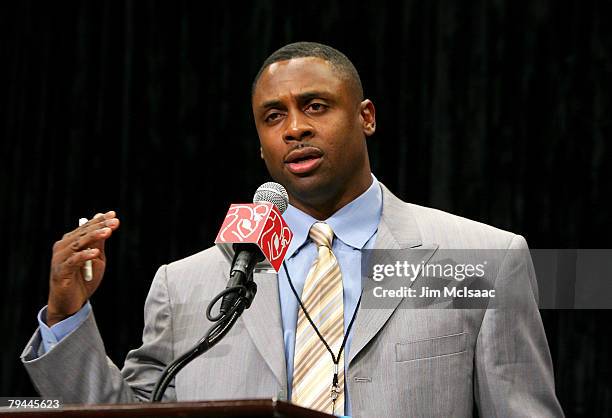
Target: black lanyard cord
column 348, row 330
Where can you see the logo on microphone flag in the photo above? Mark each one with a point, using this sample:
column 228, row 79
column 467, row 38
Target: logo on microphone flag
column 256, row 223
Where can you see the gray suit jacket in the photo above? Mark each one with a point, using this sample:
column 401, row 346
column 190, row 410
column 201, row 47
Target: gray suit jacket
column 403, row 362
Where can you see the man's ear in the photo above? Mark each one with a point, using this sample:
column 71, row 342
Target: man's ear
column 368, row 117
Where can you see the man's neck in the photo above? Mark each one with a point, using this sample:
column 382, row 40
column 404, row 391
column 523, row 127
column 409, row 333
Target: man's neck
column 325, row 207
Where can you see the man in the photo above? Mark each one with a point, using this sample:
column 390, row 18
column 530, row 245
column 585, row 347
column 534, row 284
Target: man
column 312, row 122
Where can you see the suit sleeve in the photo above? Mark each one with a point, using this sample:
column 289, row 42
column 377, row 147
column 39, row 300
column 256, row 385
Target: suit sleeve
column 513, row 368
column 77, row 369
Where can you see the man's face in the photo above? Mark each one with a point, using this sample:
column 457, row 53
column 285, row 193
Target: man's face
column 312, row 129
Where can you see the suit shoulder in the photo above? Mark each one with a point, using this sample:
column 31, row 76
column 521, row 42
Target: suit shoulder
column 207, row 259
column 452, row 230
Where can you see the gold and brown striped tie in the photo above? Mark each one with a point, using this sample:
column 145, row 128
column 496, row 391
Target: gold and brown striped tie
column 322, row 298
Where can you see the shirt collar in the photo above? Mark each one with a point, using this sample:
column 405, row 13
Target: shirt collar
column 354, row 224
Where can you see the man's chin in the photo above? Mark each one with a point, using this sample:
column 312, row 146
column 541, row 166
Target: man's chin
column 308, row 189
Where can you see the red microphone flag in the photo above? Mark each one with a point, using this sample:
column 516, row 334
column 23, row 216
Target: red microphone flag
column 256, row 223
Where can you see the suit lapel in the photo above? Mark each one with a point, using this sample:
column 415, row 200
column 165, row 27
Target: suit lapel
column 263, row 323
column 397, row 230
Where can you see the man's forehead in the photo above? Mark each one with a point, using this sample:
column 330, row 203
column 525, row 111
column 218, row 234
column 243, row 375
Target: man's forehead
column 299, row 65
column 296, row 75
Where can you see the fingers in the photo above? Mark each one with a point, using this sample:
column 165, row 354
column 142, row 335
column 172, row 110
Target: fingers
column 99, row 221
column 73, row 263
column 79, row 258
column 90, row 235
column 95, row 223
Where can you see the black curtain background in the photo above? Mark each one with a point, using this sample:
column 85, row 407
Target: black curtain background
column 494, row 110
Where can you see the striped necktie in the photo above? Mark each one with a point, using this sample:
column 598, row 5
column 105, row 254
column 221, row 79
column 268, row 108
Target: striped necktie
column 323, row 299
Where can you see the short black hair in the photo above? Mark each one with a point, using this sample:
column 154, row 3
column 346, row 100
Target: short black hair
column 337, row 59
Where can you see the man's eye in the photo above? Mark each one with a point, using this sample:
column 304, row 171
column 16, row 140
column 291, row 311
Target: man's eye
column 316, row 107
column 272, row 117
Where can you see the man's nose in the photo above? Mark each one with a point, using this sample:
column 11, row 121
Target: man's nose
column 297, row 128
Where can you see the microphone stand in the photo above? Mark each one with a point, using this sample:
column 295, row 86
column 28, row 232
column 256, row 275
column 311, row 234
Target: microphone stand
column 241, row 295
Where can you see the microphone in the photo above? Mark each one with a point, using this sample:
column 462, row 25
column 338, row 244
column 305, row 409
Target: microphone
column 254, row 237
column 273, row 193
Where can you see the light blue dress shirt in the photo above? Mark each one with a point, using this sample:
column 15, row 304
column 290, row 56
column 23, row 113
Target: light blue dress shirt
column 355, row 227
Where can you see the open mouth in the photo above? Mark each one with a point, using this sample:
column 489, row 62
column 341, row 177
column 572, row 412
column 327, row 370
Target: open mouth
column 303, row 160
